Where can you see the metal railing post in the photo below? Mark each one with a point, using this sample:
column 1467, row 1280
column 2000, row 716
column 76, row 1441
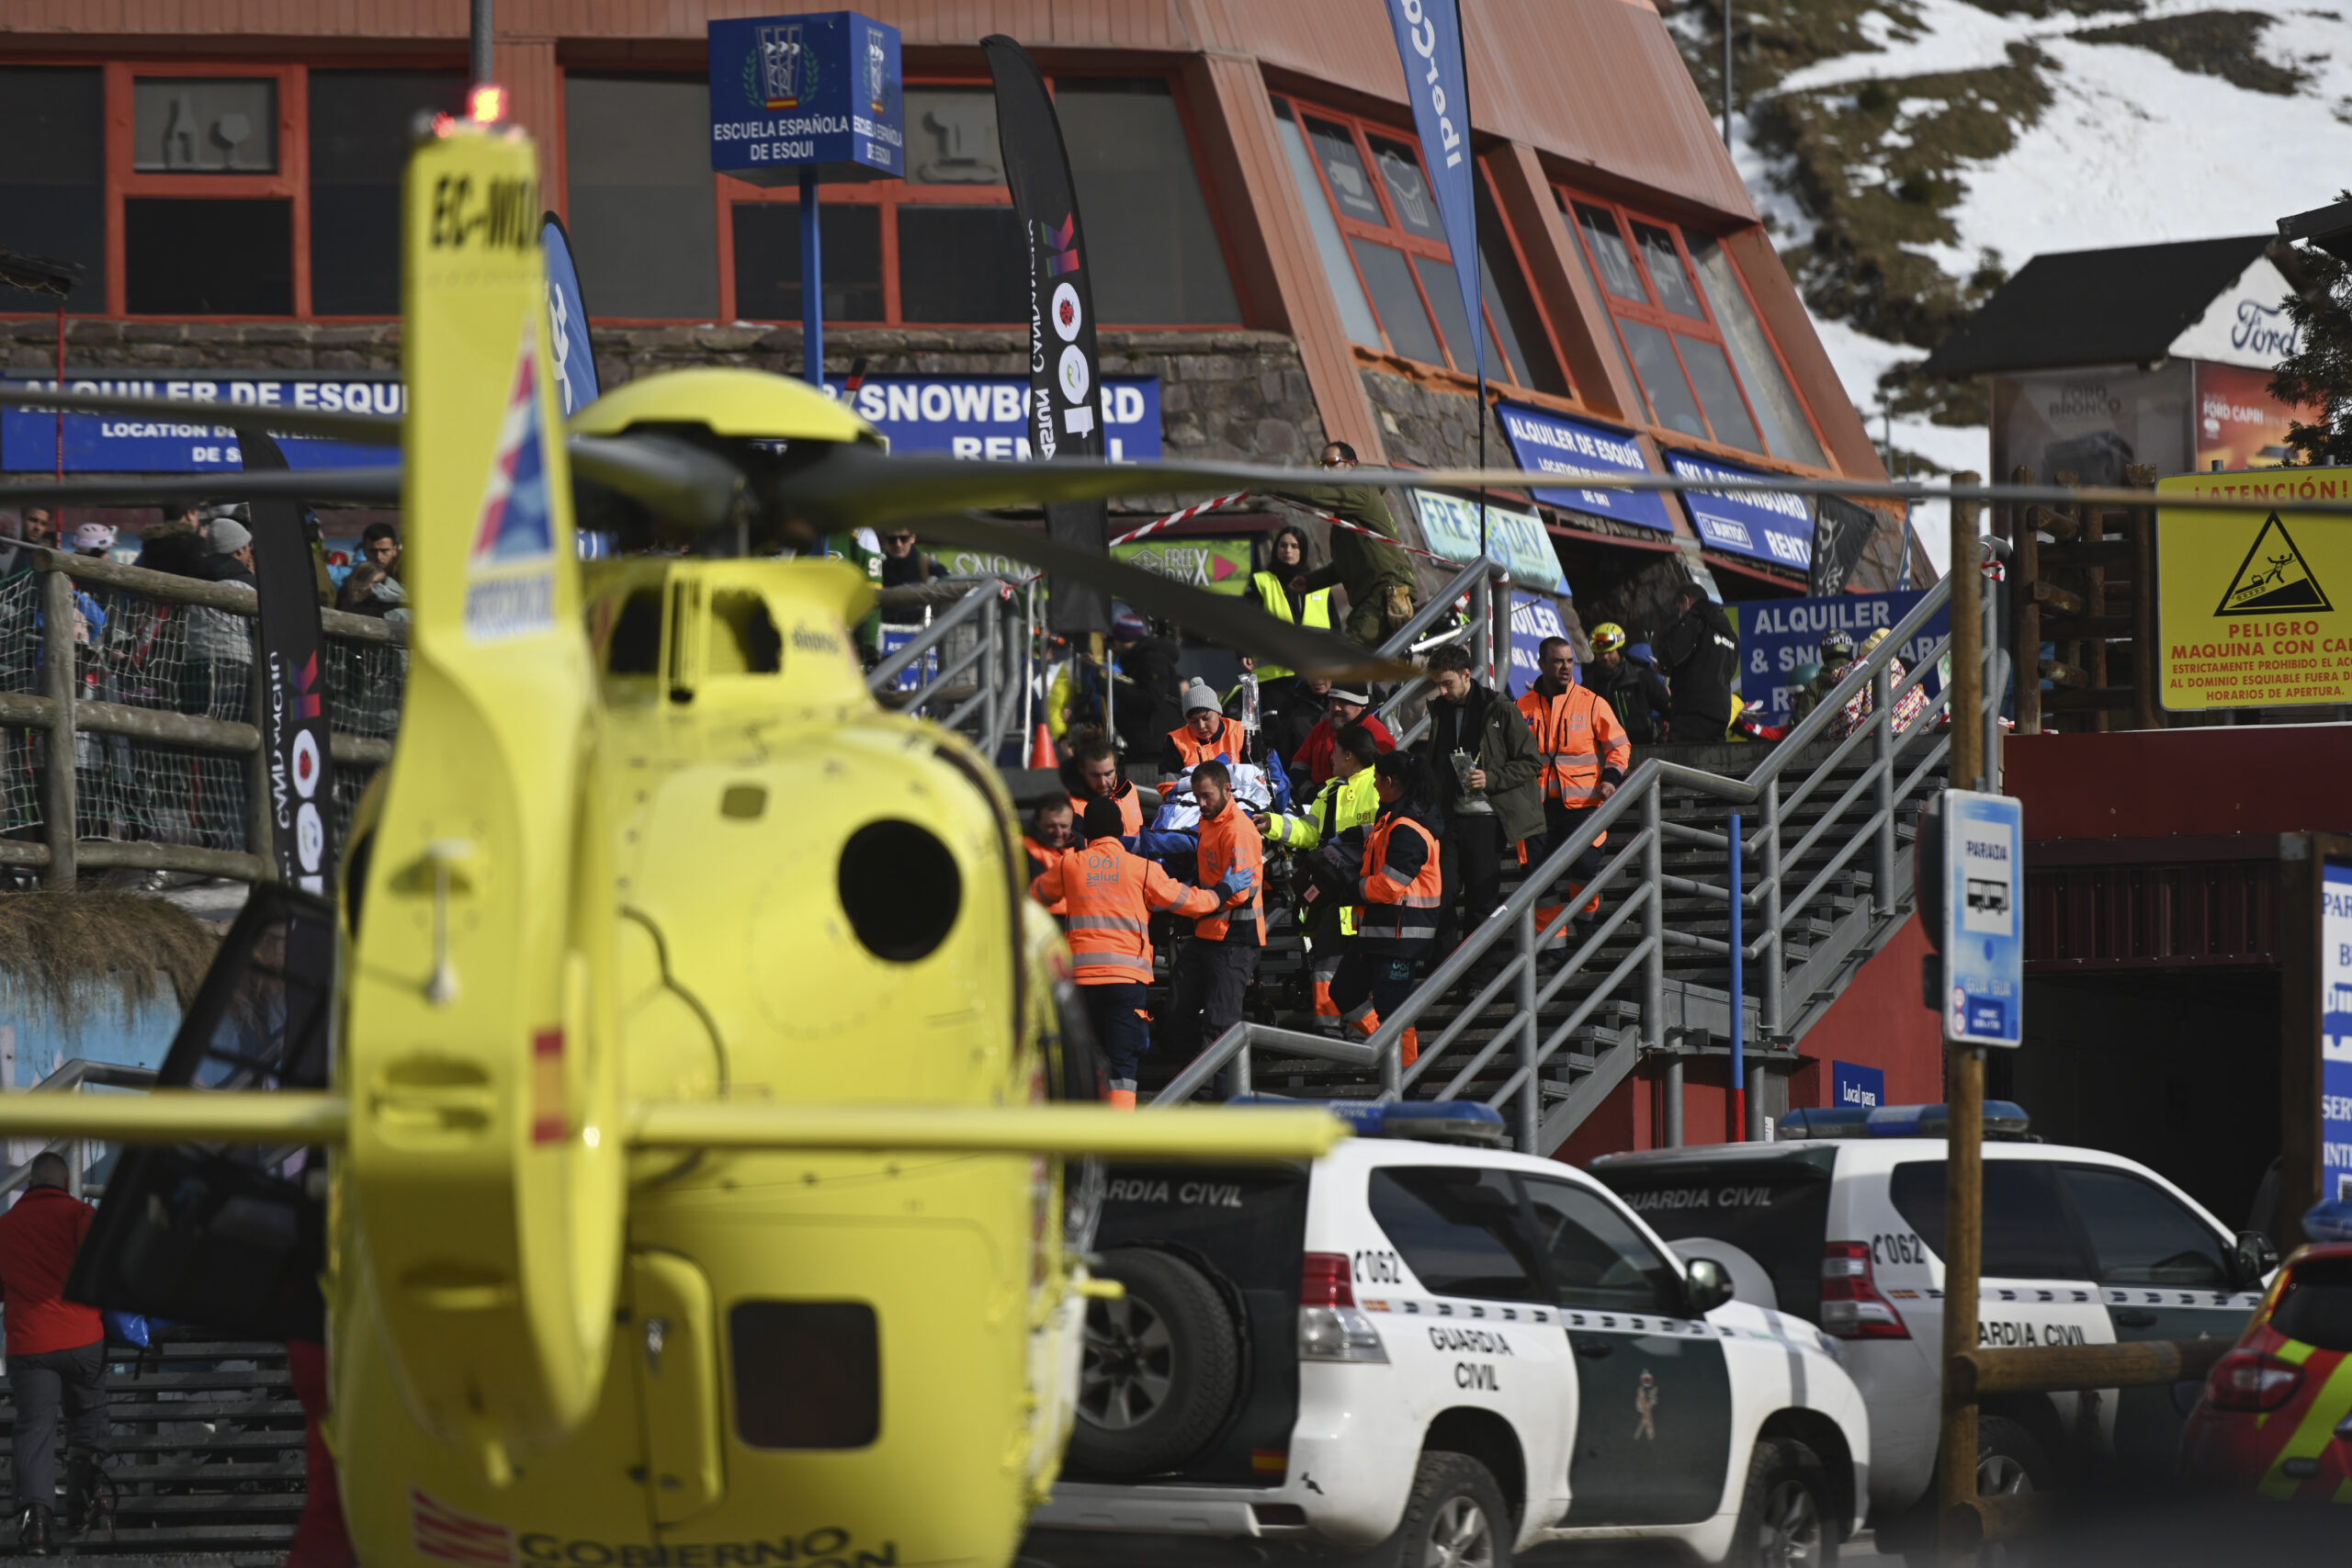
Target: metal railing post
column 1654, row 961
column 1531, row 1093
column 1498, row 634
column 1743, row 1114
column 1883, row 723
column 60, row 676
column 1771, row 1020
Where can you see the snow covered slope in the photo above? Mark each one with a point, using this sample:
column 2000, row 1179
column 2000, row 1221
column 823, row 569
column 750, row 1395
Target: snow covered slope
column 1909, row 153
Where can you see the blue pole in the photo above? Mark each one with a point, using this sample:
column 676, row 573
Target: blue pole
column 1739, row 989
column 813, row 284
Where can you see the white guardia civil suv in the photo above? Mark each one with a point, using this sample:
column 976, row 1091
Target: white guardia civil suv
column 1420, row 1349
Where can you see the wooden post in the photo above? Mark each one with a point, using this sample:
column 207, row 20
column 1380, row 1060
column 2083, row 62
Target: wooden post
column 1965, row 1093
column 59, row 678
column 2147, row 703
column 2025, row 613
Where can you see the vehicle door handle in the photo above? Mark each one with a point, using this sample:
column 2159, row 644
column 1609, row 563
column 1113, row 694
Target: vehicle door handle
column 1593, row 1349
column 2133, row 1317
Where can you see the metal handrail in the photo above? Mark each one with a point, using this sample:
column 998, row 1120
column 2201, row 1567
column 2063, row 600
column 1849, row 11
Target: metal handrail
column 994, row 656
column 69, row 1078
column 1637, row 858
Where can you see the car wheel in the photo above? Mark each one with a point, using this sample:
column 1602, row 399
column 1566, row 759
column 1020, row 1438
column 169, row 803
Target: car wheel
column 1454, row 1517
column 1158, row 1371
column 2009, row 1463
column 1788, row 1517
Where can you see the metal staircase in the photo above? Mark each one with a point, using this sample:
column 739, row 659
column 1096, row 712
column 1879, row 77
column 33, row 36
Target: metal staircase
column 1823, row 879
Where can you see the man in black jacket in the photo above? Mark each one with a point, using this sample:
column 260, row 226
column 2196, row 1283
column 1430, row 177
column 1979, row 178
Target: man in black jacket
column 1700, row 655
column 1632, row 688
column 1492, row 800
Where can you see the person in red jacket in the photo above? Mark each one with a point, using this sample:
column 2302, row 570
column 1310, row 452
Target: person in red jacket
column 56, row 1353
column 1111, row 893
column 1213, row 969
column 1313, row 759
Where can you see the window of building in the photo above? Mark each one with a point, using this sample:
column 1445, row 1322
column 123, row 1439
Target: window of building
column 943, row 246
column 52, row 178
column 360, row 130
column 637, row 164
column 208, row 209
column 1702, row 359
column 1375, row 219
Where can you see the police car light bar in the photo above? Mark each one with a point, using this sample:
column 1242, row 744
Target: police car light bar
column 2003, row 1118
column 1430, row 1120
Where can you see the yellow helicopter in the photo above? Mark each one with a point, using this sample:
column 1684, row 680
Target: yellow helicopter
column 696, row 1193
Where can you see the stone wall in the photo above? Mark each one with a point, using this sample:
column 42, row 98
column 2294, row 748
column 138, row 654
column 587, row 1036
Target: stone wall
column 1429, row 426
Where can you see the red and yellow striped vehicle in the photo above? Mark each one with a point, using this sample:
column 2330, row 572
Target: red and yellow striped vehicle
column 2275, row 1418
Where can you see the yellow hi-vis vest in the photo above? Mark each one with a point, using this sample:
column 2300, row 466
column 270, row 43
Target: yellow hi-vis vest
column 1277, row 601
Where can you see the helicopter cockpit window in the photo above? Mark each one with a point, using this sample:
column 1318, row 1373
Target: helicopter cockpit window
column 636, row 645
column 743, row 639
column 900, row 888
column 808, row 1374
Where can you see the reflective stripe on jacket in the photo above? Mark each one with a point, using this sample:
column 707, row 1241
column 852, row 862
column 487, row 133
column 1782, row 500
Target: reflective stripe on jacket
column 1230, row 840
column 1111, row 894
column 1401, row 884
column 1228, row 743
column 1340, row 805
column 1277, row 598
column 1580, row 742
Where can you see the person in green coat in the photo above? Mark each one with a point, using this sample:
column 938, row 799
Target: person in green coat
column 1377, row 575
column 1490, row 780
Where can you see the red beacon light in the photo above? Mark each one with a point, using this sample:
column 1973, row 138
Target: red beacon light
column 486, row 104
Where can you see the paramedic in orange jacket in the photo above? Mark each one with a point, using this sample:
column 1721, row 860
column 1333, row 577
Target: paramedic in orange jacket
column 1585, row 754
column 1096, row 764
column 1205, row 733
column 1401, row 884
column 1111, row 893
column 1051, row 830
column 1213, row 969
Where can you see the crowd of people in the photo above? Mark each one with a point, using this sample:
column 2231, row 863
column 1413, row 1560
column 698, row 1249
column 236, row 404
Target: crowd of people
column 1388, row 856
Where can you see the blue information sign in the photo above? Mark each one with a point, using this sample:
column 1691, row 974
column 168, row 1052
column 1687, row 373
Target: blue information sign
column 1983, row 934
column 2336, row 1031
column 984, row 416
column 1777, row 528
column 1534, row 618
column 1776, row 636
column 1856, row 1087
column 1553, row 444
column 821, row 91
column 189, row 444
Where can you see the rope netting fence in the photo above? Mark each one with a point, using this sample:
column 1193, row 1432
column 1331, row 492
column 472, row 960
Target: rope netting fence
column 159, row 712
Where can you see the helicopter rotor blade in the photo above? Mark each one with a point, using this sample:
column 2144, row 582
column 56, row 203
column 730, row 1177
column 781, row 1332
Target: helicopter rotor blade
column 672, row 479
column 363, row 486
column 362, row 429
column 1236, row 622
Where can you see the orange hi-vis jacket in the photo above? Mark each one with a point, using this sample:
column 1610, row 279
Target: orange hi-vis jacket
column 1229, row 840
column 1111, row 893
column 1580, row 742
column 1041, row 860
column 1230, row 743
column 1401, row 884
column 1130, row 810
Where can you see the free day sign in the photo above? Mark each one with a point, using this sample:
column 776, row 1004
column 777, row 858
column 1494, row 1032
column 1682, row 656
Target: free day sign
column 177, row 443
column 2336, row 1031
column 1517, row 540
column 1776, row 636
column 1763, row 527
column 1221, row 566
column 985, row 416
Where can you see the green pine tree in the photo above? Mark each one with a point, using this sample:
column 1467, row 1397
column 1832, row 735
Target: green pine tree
column 2319, row 373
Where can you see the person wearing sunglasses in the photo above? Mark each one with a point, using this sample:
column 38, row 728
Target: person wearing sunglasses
column 1376, row 574
column 902, row 563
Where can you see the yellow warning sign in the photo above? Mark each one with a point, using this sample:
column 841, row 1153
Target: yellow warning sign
column 2245, row 601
